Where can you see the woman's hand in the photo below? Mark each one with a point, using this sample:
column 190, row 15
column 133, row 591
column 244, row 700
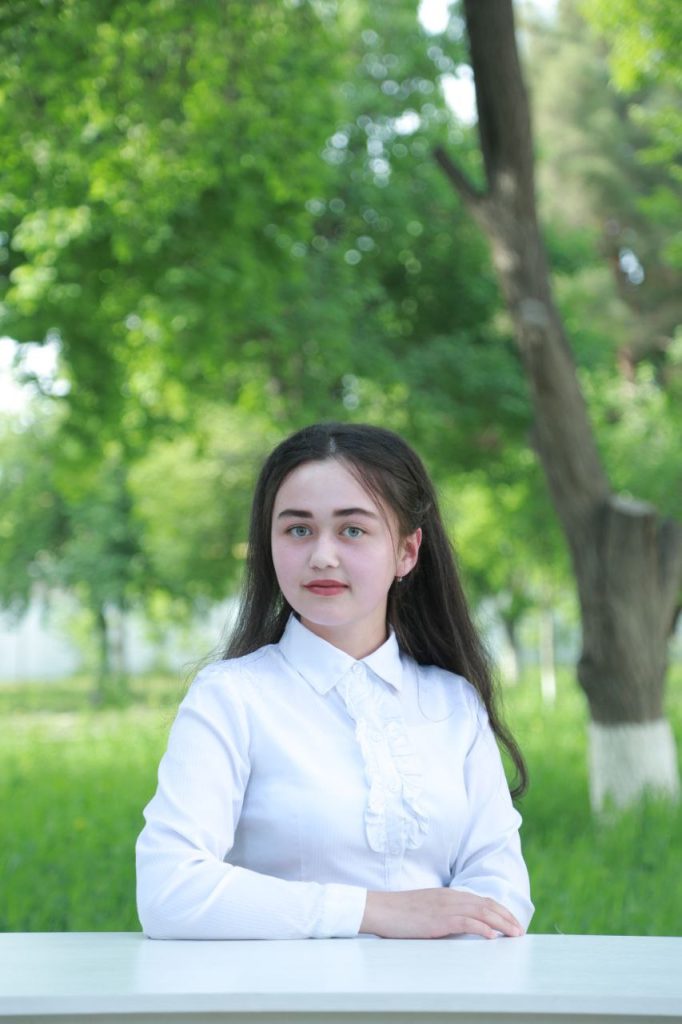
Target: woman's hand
column 434, row 914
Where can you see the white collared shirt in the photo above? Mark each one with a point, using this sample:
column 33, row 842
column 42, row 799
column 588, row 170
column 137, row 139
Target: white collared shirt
column 296, row 778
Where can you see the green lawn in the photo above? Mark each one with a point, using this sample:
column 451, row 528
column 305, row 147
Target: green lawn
column 589, row 877
column 73, row 782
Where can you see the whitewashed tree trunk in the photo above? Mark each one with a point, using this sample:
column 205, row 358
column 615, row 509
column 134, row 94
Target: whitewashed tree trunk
column 627, row 560
column 626, row 760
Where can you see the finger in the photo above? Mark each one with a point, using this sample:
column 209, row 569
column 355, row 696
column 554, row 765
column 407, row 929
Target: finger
column 505, row 923
column 495, row 917
column 472, row 926
column 493, row 911
column 472, row 901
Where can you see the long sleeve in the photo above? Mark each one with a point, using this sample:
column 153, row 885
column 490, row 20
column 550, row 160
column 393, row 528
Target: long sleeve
column 489, row 860
column 185, row 888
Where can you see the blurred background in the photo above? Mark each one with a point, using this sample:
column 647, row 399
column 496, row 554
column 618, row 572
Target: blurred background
column 222, row 221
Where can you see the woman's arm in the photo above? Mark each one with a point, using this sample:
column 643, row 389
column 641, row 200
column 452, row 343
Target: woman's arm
column 185, row 890
column 489, row 892
column 489, row 862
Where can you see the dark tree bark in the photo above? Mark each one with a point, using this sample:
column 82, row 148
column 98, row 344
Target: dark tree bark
column 627, row 560
column 510, row 624
column 111, row 685
column 103, row 676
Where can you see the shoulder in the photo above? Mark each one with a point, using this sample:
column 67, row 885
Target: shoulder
column 232, row 679
column 220, row 699
column 233, row 668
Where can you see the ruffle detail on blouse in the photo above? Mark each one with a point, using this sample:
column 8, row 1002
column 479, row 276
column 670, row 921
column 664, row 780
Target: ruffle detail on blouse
column 395, row 819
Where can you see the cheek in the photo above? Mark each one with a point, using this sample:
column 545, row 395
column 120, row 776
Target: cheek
column 380, row 569
column 283, row 558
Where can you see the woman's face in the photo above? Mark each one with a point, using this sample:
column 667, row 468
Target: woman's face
column 336, row 554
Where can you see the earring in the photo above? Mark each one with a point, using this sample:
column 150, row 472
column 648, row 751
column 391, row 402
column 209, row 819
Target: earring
column 399, row 579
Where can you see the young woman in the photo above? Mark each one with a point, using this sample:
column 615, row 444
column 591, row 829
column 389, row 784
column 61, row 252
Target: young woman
column 338, row 773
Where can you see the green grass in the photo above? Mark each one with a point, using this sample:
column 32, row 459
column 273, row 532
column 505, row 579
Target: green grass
column 618, row 877
column 74, row 780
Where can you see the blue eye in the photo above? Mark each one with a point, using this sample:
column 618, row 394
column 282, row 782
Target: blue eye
column 353, row 532
column 299, row 531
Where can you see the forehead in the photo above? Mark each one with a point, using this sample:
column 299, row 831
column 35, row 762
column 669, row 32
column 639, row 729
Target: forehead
column 324, row 486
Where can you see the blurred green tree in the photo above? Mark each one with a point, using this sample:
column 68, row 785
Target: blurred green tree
column 69, row 526
column 617, row 284
column 170, row 220
column 626, row 558
column 642, row 42
column 154, row 156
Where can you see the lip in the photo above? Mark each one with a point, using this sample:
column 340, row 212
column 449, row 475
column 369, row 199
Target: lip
column 325, row 588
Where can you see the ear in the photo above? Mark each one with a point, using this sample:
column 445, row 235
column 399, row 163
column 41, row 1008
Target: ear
column 408, row 553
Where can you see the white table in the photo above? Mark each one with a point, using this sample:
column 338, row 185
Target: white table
column 123, row 977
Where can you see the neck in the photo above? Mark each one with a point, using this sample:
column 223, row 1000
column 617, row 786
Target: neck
column 358, row 644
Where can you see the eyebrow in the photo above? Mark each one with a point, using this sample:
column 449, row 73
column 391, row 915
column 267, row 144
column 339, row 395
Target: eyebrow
column 341, row 513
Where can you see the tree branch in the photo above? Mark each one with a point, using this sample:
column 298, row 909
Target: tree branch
column 473, row 198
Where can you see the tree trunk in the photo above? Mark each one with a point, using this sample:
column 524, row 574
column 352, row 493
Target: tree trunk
column 627, row 562
column 512, row 656
column 112, row 675
column 119, row 650
column 547, row 662
column 103, row 672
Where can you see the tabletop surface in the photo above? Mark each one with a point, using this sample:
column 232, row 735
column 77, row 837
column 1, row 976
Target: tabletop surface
column 107, row 971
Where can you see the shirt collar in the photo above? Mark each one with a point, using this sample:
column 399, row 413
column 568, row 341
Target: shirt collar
column 323, row 665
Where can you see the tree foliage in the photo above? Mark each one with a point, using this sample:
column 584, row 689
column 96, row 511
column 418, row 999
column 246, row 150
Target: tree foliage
column 154, row 154
column 642, row 42
column 230, row 216
column 618, row 289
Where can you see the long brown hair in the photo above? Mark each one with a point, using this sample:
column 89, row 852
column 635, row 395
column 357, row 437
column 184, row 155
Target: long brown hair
column 428, row 610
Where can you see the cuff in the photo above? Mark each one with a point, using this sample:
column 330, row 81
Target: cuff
column 343, row 908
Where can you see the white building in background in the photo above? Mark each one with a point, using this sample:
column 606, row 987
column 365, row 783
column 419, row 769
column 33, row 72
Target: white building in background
column 42, row 644
column 33, row 648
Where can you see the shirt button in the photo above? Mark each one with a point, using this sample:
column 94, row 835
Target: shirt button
column 394, row 848
column 394, row 786
column 357, row 668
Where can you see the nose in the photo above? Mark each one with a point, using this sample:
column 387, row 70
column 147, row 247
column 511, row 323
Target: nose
column 323, row 553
